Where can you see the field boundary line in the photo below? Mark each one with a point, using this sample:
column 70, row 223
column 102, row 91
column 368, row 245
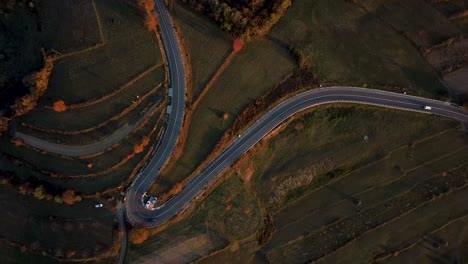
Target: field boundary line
column 371, row 188
column 213, row 79
column 114, row 167
column 97, row 46
column 415, row 242
column 376, row 161
column 98, row 20
column 143, row 120
column 86, row 130
column 60, row 259
column 450, row 192
column 393, row 219
column 113, row 93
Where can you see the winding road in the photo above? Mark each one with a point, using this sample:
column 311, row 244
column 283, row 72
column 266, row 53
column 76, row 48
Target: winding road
column 138, row 215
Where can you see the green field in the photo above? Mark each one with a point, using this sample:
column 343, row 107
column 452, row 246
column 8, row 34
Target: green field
column 264, row 65
column 201, row 37
column 211, row 226
column 347, row 45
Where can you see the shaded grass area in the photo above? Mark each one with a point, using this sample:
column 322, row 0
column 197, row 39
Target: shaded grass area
column 408, row 229
column 427, row 251
column 69, row 26
column 370, row 186
column 346, row 45
column 49, row 226
column 129, row 50
column 13, row 254
column 88, row 117
column 417, row 19
column 25, row 30
column 453, row 8
column 262, row 66
column 202, row 37
column 221, row 217
column 28, row 29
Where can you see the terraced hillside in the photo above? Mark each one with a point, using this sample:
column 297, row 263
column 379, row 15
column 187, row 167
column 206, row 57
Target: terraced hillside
column 102, row 114
column 329, row 184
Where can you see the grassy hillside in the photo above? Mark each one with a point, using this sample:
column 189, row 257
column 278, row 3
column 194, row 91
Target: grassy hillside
column 344, row 177
column 346, row 44
column 201, row 36
column 109, row 73
column 263, row 65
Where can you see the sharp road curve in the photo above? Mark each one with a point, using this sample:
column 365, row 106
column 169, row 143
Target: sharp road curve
column 138, row 215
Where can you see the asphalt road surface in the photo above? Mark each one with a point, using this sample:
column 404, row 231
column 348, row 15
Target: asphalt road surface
column 151, row 170
column 138, row 215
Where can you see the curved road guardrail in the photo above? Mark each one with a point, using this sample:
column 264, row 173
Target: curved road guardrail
column 138, row 215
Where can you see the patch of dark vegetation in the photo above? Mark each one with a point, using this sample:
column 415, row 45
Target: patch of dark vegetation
column 241, row 17
column 265, row 232
column 302, row 77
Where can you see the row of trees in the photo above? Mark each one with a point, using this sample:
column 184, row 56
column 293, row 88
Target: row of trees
column 37, row 82
column 150, row 16
column 39, row 192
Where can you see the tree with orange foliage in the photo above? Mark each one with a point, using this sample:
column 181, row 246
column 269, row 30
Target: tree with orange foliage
column 138, row 148
column 237, row 44
column 4, row 122
column 69, row 197
column 150, row 22
column 177, row 188
column 59, row 106
column 138, row 235
column 147, row 5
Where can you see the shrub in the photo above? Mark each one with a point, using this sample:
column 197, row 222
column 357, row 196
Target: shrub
column 70, row 197
column 40, row 193
column 146, row 5
column 59, row 106
column 4, row 122
column 58, row 199
column 150, row 22
column 138, row 235
column 37, row 82
column 138, row 148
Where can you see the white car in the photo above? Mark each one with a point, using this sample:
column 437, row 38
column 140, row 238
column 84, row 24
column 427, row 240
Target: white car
column 98, row 205
column 427, row 108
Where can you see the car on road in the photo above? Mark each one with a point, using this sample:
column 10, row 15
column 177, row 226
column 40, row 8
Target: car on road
column 99, row 205
column 427, row 108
